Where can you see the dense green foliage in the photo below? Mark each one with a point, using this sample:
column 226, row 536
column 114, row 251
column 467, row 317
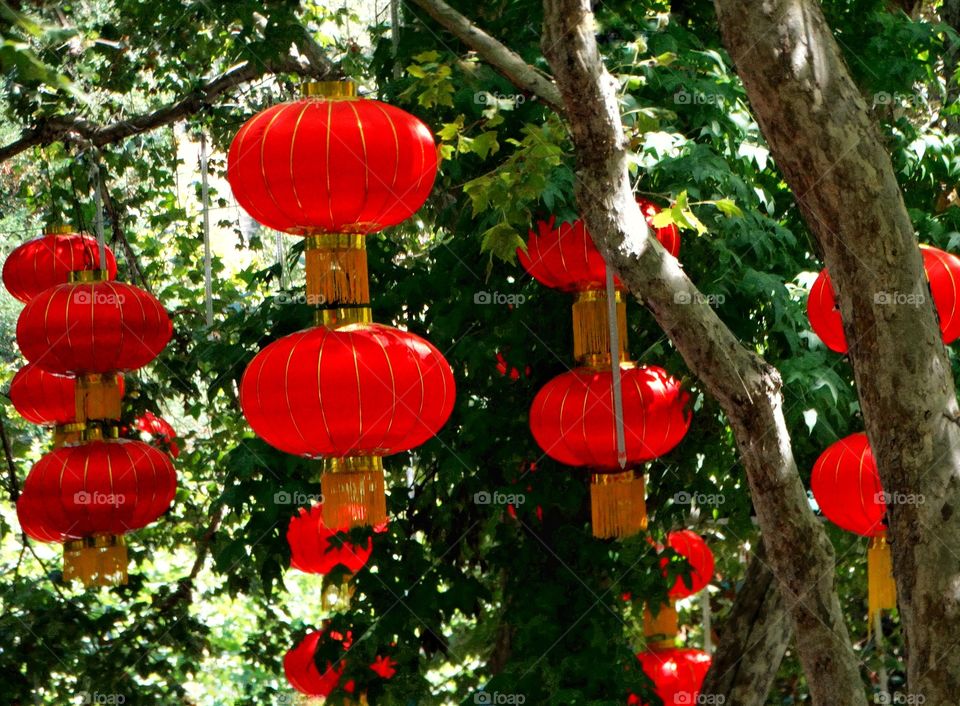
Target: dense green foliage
column 460, row 594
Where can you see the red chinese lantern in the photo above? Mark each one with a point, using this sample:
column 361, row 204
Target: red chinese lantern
column 161, row 430
column 694, row 549
column 329, row 167
column 349, row 395
column 311, row 550
column 89, row 495
column 943, row 274
column 301, row 670
column 93, row 329
column 43, row 398
column 846, row 485
column 572, row 419
column 677, row 674
column 49, row 260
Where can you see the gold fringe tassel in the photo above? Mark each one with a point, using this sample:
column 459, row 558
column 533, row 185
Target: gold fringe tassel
column 100, row 560
column 98, row 397
column 881, row 588
column 337, row 270
column 661, row 630
column 618, row 504
column 353, row 491
column 591, row 332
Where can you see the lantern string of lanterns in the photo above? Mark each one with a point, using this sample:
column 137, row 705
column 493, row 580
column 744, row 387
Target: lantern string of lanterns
column 80, row 331
column 334, row 168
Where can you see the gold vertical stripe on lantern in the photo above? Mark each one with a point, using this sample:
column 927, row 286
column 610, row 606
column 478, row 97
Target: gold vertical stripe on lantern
column 98, row 397
column 591, row 332
column 661, row 630
column 337, row 270
column 353, row 491
column 881, row 588
column 100, row 560
column 617, row 503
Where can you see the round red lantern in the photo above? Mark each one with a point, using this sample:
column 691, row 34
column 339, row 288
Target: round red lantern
column 311, row 550
column 301, row 669
column 48, row 260
column 694, row 549
column 91, row 494
column 572, row 417
column 162, row 432
column 677, row 674
column 332, row 164
column 943, row 273
column 846, row 486
column 361, row 390
column 43, row 398
column 93, row 327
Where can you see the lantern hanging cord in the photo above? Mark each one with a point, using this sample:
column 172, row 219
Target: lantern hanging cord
column 615, row 369
column 207, row 259
column 98, row 200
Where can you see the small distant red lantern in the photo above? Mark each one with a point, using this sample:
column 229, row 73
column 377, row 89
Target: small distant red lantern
column 943, row 273
column 692, row 547
column 49, row 260
column 89, row 495
column 846, row 485
column 311, row 550
column 161, row 430
column 677, row 674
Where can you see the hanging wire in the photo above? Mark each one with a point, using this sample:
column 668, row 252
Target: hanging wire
column 615, row 369
column 207, row 259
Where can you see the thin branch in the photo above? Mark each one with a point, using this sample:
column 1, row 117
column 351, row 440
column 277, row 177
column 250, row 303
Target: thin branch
column 119, row 237
column 11, row 466
column 502, row 58
column 72, row 128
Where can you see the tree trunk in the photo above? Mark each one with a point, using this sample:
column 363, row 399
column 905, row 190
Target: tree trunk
column 748, row 389
column 831, row 154
column 753, row 640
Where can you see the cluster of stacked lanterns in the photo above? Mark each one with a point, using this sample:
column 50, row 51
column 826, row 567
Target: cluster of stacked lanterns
column 80, row 331
column 331, row 168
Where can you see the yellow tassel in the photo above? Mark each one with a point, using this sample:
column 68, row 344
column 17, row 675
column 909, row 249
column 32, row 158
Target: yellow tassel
column 100, row 560
column 661, row 630
column 881, row 588
column 591, row 332
column 98, row 397
column 353, row 492
column 337, row 270
column 617, row 503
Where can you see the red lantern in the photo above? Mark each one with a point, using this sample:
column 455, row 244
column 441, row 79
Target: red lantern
column 846, row 486
column 943, row 273
column 301, row 670
column 361, row 390
column 161, row 430
column 93, row 327
column 677, row 674
column 572, row 417
column 90, row 495
column 47, row 261
column 311, row 550
column 691, row 547
column 332, row 164
column 43, row 398
column 564, row 257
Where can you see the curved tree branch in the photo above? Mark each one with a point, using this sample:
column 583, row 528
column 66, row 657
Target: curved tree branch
column 506, row 61
column 72, row 128
column 748, row 389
